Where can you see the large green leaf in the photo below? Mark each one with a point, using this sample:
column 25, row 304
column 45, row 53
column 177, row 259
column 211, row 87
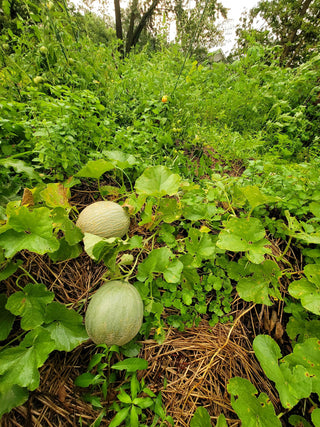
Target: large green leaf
column 169, row 209
column 315, row 416
column 158, row 181
column 65, row 326
column 56, row 195
column 308, row 289
column 62, row 222
column 20, row 167
column 292, row 381
column 9, row 269
column 253, row 411
column 95, row 169
column 30, row 304
column 65, row 251
column 255, row 197
column 19, row 365
column 99, row 248
column 120, row 159
column 201, row 245
column 11, row 396
column 201, row 418
column 301, row 329
column 307, row 355
column 26, row 229
column 262, row 283
column 244, row 235
column 295, row 229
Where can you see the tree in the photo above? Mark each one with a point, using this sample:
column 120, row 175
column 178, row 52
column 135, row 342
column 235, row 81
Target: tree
column 98, row 29
column 196, row 25
column 193, row 18
column 291, row 24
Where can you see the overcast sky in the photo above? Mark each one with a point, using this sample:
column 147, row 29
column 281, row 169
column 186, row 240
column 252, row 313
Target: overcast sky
column 236, row 8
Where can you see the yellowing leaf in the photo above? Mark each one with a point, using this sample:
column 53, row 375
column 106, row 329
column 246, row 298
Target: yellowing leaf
column 56, row 195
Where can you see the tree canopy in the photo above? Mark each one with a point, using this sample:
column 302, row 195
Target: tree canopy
column 293, row 25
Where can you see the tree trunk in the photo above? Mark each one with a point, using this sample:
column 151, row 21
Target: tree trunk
column 142, row 24
column 117, row 12
column 129, row 40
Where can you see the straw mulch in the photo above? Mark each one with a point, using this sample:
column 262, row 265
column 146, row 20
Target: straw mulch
column 197, row 365
column 191, row 368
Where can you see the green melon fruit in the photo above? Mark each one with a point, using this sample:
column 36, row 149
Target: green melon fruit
column 105, row 219
column 114, row 314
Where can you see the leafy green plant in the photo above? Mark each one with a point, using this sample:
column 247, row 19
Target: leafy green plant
column 35, row 224
column 46, row 326
column 209, row 186
column 252, row 410
column 133, row 397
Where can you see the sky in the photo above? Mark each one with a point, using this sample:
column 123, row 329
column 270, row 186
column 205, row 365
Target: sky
column 236, row 8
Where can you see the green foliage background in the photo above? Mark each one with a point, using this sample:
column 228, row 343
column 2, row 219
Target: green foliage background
column 73, row 109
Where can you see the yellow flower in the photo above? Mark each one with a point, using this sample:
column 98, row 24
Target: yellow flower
column 164, row 98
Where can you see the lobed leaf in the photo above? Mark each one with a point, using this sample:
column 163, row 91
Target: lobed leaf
column 32, row 230
column 6, row 318
column 65, row 326
column 292, row 382
column 253, row 411
column 95, row 169
column 160, row 260
column 308, row 289
column 19, row 365
column 11, row 396
column 158, row 181
column 30, row 304
column 244, row 235
column 262, row 283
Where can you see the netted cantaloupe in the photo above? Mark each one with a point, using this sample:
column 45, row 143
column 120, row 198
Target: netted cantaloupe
column 114, row 314
column 105, row 219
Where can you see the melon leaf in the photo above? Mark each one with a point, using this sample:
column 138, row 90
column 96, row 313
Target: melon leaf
column 158, row 181
column 30, row 304
column 252, row 410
